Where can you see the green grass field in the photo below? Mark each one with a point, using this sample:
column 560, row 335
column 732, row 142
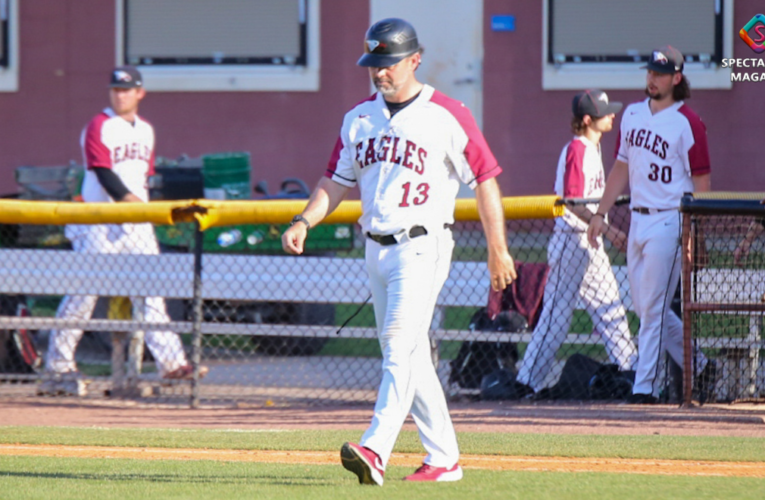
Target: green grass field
column 119, row 479
column 77, row 478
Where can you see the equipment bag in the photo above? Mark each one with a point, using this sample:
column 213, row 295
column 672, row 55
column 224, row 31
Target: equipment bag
column 477, row 359
column 22, row 355
column 584, row 378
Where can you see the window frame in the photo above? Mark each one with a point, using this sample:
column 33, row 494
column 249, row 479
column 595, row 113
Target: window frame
column 9, row 60
column 621, row 74
column 231, row 76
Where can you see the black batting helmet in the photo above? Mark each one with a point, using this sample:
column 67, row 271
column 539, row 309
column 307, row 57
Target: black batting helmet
column 387, row 42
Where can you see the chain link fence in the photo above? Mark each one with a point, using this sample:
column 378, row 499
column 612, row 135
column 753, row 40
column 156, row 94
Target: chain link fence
column 724, row 279
column 277, row 329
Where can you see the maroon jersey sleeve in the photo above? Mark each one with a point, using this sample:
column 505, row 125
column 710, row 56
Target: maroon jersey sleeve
column 573, row 177
column 482, row 162
column 95, row 151
column 339, row 168
column 334, row 158
column 152, row 160
column 698, row 153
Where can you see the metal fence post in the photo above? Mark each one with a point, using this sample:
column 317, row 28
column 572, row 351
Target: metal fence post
column 196, row 331
column 686, row 269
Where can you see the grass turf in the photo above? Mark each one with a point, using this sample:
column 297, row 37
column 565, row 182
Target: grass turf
column 47, row 477
column 565, row 445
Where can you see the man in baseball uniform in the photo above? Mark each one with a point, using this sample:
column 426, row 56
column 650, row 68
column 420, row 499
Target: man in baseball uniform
column 407, row 148
column 661, row 154
column 576, row 268
column 118, row 150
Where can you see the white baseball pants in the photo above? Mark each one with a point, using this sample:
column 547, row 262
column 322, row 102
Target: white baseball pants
column 406, row 279
column 576, row 270
column 164, row 345
column 654, row 260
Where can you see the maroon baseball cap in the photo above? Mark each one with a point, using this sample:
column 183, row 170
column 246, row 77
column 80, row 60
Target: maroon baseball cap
column 595, row 103
column 126, row 77
column 665, row 60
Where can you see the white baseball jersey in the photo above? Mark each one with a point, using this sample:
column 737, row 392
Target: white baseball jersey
column 663, row 151
column 409, row 166
column 127, row 148
column 580, row 175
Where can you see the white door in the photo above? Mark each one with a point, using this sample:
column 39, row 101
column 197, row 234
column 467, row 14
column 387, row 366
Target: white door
column 451, row 31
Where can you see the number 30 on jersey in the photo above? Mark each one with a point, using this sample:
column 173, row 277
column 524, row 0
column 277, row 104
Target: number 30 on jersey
column 660, row 173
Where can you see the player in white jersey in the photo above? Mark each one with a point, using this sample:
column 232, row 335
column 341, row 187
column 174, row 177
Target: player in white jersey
column 407, row 148
column 576, row 268
column 118, row 150
column 662, row 153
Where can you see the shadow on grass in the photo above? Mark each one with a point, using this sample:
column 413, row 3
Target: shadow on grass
column 171, row 478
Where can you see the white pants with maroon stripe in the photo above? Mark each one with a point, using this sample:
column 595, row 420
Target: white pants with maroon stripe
column 164, row 345
column 406, row 279
column 653, row 263
column 577, row 270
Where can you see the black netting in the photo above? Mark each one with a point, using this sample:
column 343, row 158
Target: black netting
column 285, row 329
column 726, row 302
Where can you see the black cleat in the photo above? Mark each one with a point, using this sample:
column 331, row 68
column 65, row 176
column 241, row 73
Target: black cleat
column 642, row 399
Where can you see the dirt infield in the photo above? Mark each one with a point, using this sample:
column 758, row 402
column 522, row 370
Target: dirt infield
column 612, row 419
column 504, row 463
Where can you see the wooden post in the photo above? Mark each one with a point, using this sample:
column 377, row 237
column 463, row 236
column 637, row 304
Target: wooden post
column 196, row 331
column 118, row 363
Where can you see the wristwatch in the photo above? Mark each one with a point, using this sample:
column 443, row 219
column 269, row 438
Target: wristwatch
column 300, row 218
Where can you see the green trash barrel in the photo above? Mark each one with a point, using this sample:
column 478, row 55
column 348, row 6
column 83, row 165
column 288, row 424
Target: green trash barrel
column 226, row 176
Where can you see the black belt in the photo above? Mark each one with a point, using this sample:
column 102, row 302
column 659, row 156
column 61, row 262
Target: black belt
column 389, row 239
column 646, row 211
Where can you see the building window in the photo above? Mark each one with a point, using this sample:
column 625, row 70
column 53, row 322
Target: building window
column 602, row 43
column 221, row 44
column 4, row 34
column 9, row 45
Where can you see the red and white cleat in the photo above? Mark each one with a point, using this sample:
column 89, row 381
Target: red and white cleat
column 430, row 473
column 363, row 462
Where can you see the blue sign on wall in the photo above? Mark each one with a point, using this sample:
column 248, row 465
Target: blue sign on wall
column 502, row 23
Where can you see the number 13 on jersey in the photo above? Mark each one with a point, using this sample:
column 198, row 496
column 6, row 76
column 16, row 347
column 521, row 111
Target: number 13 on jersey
column 420, row 197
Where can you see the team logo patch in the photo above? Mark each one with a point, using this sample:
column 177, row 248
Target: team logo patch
column 372, row 44
column 660, row 57
column 399, row 38
column 604, row 98
column 122, row 76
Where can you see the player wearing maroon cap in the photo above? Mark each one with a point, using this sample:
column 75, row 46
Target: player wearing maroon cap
column 118, row 150
column 576, row 269
column 661, row 154
column 407, row 148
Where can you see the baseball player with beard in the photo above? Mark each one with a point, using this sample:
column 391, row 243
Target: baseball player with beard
column 661, row 154
column 118, row 150
column 407, row 148
column 576, row 268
